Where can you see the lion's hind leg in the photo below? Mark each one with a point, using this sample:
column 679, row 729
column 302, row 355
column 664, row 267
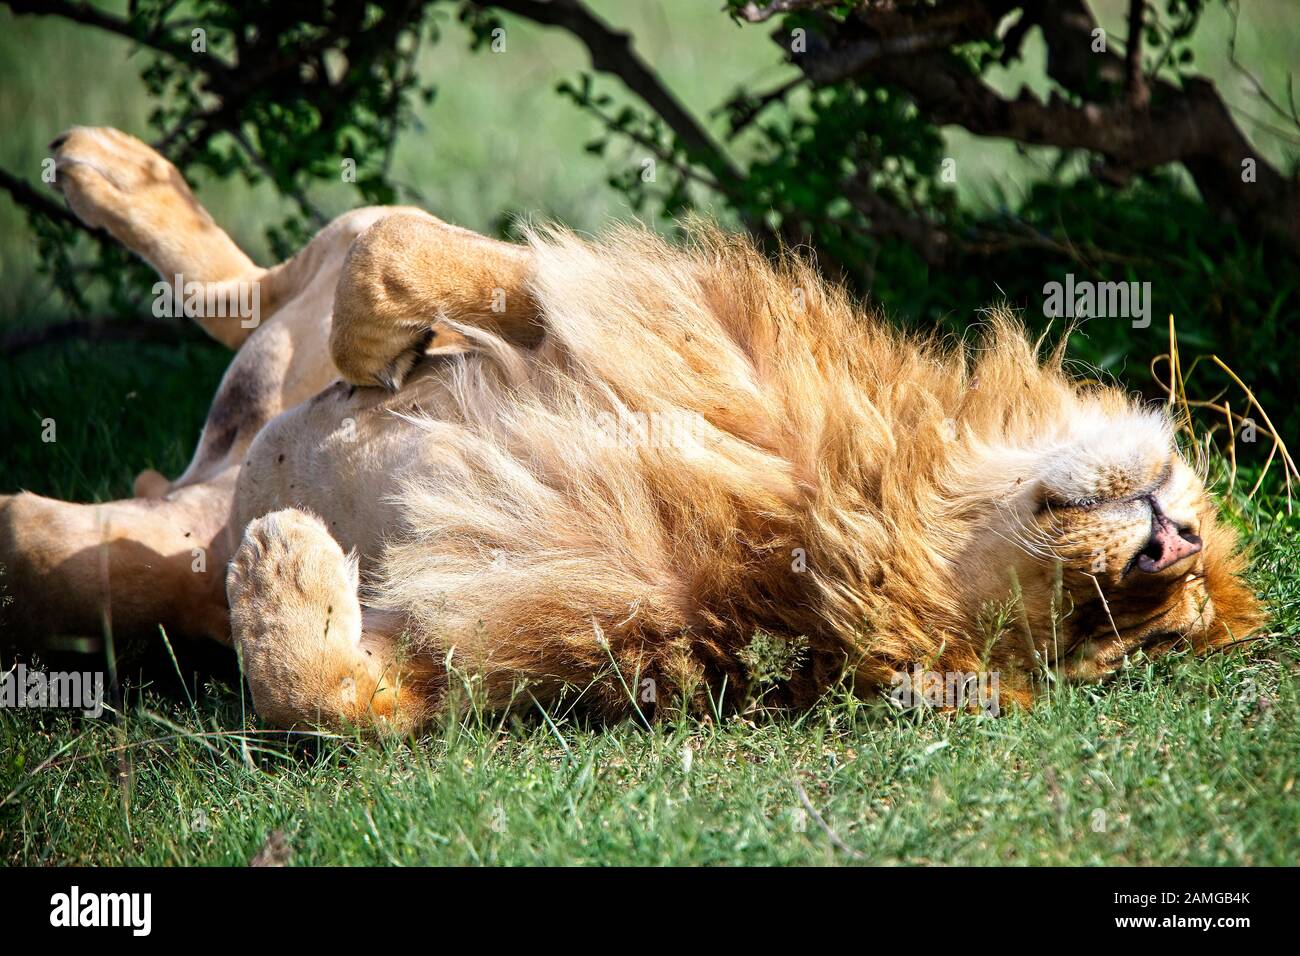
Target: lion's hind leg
column 311, row 654
column 113, row 181
column 69, row 569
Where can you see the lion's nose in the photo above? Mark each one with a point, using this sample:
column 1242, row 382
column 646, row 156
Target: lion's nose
column 1168, row 544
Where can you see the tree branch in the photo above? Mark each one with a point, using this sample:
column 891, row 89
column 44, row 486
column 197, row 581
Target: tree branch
column 1068, row 27
column 88, row 15
column 1138, row 93
column 859, row 55
column 611, row 52
column 1165, row 124
column 98, row 330
column 27, row 197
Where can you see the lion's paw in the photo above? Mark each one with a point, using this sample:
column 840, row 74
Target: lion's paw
column 114, row 181
column 289, row 564
column 381, row 325
column 296, row 619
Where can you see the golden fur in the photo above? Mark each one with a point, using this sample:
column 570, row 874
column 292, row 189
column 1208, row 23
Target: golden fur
column 530, row 535
column 600, row 463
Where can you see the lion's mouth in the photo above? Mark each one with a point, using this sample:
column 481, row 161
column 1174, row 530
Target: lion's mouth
column 1104, row 650
column 1162, row 641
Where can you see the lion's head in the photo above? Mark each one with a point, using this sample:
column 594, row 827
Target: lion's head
column 1108, row 543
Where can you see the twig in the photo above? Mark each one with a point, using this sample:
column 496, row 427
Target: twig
column 1139, row 95
column 88, row 15
column 311, row 210
column 1290, row 115
column 1105, row 605
column 826, row 828
column 97, row 330
column 611, row 52
column 24, row 195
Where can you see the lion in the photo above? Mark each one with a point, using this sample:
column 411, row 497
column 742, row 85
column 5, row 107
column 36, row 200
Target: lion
column 608, row 464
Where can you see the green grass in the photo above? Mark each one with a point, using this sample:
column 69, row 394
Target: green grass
column 1177, row 762
column 1180, row 761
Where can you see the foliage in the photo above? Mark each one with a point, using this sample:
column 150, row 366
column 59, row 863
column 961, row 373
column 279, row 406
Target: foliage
column 850, row 164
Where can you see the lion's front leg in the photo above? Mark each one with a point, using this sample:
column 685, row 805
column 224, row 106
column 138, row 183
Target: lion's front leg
column 406, row 284
column 311, row 654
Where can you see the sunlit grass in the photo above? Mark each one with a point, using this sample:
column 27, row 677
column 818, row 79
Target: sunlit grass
column 1182, row 760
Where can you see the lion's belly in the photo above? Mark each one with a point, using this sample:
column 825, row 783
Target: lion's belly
column 342, row 456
